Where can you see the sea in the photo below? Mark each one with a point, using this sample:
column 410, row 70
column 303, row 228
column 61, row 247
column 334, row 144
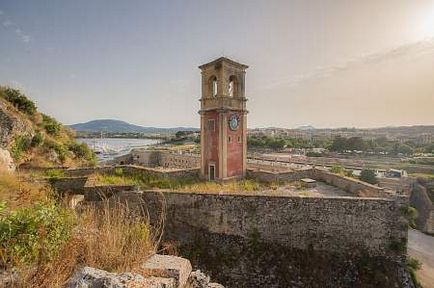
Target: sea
column 110, row 148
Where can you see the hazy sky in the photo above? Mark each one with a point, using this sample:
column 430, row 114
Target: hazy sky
column 326, row 63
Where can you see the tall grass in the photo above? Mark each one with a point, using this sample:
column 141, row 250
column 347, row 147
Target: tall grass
column 46, row 242
column 110, row 237
column 17, row 191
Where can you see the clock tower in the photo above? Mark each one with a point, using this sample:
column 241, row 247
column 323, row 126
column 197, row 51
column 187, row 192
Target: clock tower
column 223, row 120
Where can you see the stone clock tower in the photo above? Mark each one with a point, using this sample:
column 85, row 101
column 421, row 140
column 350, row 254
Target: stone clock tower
column 223, row 120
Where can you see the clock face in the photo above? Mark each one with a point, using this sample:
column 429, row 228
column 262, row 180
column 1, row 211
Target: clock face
column 234, row 122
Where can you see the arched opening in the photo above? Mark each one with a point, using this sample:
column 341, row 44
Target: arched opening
column 232, row 87
column 213, row 83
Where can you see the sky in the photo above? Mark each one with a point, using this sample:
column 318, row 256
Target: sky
column 325, row 63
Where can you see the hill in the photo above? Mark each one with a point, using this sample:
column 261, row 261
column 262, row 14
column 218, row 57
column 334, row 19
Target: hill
column 31, row 138
column 118, row 126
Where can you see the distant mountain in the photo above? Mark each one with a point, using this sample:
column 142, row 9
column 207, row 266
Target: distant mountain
column 118, row 126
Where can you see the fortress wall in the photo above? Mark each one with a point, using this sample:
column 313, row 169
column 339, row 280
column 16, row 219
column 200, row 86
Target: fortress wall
column 69, row 185
column 150, row 158
column 420, row 200
column 350, row 185
column 180, row 161
column 348, row 225
column 267, row 241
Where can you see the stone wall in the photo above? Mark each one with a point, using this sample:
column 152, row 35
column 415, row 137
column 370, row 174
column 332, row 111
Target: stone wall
column 269, row 241
column 180, row 161
column 155, row 158
column 350, row 185
column 128, row 170
column 420, row 200
column 69, row 185
column 338, row 224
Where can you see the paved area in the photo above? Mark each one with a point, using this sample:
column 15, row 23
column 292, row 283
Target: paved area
column 421, row 247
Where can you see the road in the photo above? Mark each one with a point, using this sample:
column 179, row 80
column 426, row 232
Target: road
column 421, row 247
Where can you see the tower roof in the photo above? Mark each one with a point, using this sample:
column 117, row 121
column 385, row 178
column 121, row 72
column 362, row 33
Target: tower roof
column 221, row 60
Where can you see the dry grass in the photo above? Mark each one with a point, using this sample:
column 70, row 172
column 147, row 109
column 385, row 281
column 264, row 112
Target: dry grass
column 17, row 191
column 109, row 237
column 243, row 186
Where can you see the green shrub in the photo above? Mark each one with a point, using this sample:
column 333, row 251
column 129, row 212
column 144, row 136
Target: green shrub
column 337, row 169
column 21, row 102
column 81, row 151
column 411, row 215
column 413, row 265
column 33, row 234
column 58, row 148
column 119, row 172
column 21, row 145
column 37, row 140
column 368, row 176
column 50, row 125
column 348, row 173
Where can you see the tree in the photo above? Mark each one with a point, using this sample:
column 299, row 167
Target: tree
column 368, row 176
column 339, row 144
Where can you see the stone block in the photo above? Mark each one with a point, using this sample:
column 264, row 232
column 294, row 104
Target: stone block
column 88, row 277
column 168, row 266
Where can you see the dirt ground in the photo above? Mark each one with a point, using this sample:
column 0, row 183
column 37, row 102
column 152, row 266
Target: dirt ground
column 421, row 247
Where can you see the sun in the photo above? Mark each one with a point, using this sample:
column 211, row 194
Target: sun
column 427, row 24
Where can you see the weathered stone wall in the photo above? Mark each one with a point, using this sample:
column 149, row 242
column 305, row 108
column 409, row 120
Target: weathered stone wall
column 268, row 241
column 128, row 169
column 402, row 185
column 420, row 200
column 350, row 185
column 340, row 224
column 180, row 161
column 69, row 185
column 166, row 159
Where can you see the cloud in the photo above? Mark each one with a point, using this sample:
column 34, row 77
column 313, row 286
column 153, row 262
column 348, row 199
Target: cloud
column 7, row 23
column 414, row 50
column 24, row 37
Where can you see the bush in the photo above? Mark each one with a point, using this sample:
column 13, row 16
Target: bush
column 337, row 169
column 58, row 148
column 33, row 234
column 21, row 102
column 411, row 214
column 21, row 145
column 81, row 151
column 107, row 238
column 368, row 176
column 50, row 125
column 413, row 265
column 37, row 140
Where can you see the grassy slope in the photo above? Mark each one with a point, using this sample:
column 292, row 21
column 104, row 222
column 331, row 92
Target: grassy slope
column 47, row 142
